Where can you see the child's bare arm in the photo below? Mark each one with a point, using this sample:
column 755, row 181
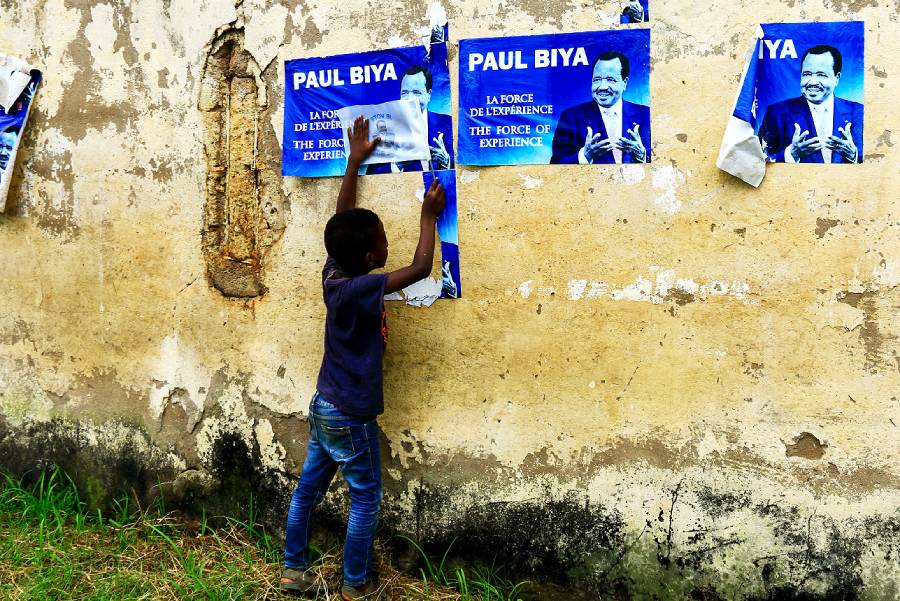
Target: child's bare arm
column 360, row 148
column 424, row 257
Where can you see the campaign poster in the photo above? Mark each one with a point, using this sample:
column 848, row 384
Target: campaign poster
column 316, row 88
column 806, row 97
column 636, row 11
column 575, row 98
column 448, row 232
column 17, row 89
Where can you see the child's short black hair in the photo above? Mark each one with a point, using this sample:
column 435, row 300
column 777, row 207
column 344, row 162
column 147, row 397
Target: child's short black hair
column 349, row 236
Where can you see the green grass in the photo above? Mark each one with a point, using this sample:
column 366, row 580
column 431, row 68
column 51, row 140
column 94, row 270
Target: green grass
column 481, row 585
column 52, row 548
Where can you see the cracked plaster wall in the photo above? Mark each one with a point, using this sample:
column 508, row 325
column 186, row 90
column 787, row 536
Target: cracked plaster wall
column 694, row 379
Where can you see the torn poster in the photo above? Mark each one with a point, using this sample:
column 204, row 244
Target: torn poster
column 400, row 124
column 438, row 24
column 579, row 98
column 800, row 100
column 18, row 84
column 316, row 88
column 424, row 292
column 448, row 232
column 636, row 11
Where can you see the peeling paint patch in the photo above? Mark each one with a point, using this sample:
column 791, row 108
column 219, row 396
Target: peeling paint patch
column 178, row 376
column 467, row 176
column 101, row 35
column 871, row 303
column 667, row 179
column 272, row 453
column 531, row 183
column 525, row 289
column 806, row 446
column 665, row 286
column 823, row 225
column 630, row 174
column 263, row 29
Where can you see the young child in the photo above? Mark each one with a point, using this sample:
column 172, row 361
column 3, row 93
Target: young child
column 349, row 396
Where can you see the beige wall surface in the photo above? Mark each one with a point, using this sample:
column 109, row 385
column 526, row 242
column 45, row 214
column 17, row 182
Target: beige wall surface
column 578, row 412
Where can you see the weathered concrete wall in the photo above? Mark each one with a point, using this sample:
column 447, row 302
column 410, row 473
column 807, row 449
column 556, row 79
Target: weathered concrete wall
column 161, row 315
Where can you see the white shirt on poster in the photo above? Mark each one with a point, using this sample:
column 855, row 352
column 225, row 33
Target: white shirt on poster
column 823, row 119
column 612, row 120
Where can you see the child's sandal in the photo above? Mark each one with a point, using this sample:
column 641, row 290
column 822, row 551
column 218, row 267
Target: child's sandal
column 299, row 581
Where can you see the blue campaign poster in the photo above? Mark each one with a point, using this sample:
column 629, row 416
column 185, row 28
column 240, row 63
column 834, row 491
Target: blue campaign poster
column 804, row 92
column 315, row 88
column 636, row 11
column 448, row 231
column 561, row 98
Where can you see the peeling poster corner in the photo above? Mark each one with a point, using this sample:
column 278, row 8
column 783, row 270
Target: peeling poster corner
column 18, row 85
column 400, row 125
column 800, row 100
column 425, row 292
column 635, row 11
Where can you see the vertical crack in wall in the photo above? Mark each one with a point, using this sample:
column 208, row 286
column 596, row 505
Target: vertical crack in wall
column 243, row 216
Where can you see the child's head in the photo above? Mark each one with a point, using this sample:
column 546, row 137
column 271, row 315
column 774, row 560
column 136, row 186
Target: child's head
column 356, row 240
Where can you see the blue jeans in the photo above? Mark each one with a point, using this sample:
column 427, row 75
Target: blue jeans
column 351, row 443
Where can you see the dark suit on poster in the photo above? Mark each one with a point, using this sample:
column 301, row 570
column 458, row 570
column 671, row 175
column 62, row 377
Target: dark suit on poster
column 437, row 124
column 777, row 129
column 571, row 130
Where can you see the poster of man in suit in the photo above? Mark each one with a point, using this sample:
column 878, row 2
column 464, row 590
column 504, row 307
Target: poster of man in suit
column 316, row 89
column 574, row 98
column 800, row 99
column 818, row 126
column 606, row 128
column 418, row 83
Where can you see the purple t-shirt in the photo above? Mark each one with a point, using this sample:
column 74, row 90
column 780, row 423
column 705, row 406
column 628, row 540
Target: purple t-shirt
column 351, row 375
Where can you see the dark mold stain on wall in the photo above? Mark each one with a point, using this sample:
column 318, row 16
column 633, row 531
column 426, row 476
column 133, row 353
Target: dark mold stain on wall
column 130, row 463
column 578, row 548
